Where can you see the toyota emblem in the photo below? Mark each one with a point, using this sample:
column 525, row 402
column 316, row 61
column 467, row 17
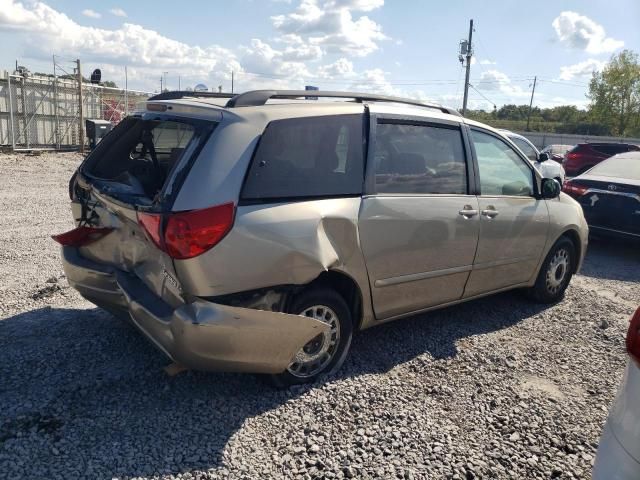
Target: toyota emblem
column 613, row 188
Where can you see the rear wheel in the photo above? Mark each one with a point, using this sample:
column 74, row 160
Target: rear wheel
column 555, row 274
column 326, row 352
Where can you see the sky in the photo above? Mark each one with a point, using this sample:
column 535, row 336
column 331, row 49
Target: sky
column 399, row 47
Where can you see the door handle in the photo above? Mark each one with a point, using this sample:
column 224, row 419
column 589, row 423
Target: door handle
column 468, row 212
column 490, row 212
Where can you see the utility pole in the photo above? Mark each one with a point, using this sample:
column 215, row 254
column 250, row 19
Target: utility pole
column 179, row 89
column 160, row 83
column 531, row 101
column 80, row 104
column 466, row 80
column 231, row 81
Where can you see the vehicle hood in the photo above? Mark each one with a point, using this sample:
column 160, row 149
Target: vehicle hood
column 550, row 169
column 601, row 178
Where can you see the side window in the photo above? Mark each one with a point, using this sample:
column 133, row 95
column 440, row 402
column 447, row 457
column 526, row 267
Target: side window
column 610, row 149
column 419, row 159
column 526, row 148
column 308, row 157
column 502, row 171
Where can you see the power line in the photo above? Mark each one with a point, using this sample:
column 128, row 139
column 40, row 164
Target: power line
column 568, row 83
column 480, row 93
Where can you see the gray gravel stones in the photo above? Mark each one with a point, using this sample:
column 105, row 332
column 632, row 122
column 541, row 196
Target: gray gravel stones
column 498, row 388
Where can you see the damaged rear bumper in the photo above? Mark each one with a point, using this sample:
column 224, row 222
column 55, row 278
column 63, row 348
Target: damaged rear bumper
column 200, row 335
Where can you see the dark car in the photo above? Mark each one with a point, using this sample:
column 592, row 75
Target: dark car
column 610, row 195
column 586, row 155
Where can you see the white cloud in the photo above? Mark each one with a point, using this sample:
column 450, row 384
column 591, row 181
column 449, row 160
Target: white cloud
column 581, row 70
column 291, row 60
column 331, row 25
column 118, row 12
column 582, row 33
column 271, row 64
column 297, row 49
column 359, row 5
column 91, row 13
column 496, row 81
column 45, row 30
column 341, row 68
column 294, row 58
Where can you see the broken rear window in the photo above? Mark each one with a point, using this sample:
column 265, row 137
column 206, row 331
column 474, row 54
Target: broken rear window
column 141, row 153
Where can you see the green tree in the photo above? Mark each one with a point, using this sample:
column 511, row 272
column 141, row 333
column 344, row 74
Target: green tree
column 615, row 95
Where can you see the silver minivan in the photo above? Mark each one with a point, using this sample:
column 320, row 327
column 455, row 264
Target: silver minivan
column 257, row 233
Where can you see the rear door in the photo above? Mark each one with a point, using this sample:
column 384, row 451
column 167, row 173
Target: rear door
column 419, row 219
column 513, row 222
column 128, row 177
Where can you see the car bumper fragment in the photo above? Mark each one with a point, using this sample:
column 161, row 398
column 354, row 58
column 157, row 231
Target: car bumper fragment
column 613, row 462
column 202, row 335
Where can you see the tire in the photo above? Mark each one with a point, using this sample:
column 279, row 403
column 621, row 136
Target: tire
column 324, row 354
column 555, row 273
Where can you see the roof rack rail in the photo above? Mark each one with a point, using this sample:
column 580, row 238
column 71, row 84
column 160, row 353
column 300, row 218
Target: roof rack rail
column 256, row 98
column 177, row 94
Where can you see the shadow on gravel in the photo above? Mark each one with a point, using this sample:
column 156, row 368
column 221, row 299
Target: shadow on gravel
column 381, row 348
column 85, row 395
column 612, row 259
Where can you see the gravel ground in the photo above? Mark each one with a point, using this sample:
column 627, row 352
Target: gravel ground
column 497, row 388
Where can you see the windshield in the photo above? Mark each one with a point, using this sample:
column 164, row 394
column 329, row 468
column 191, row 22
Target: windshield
column 623, row 167
column 527, row 149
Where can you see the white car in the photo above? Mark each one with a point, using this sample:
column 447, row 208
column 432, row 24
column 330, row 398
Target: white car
column 548, row 168
column 618, row 455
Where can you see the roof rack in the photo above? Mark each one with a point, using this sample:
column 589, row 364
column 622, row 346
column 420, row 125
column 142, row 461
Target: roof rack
column 256, row 98
column 177, row 94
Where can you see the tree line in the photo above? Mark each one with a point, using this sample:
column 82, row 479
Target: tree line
column 614, row 106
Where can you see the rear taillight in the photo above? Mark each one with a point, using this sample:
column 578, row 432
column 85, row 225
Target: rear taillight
column 151, row 224
column 188, row 234
column 81, row 236
column 633, row 337
column 572, row 156
column 574, row 189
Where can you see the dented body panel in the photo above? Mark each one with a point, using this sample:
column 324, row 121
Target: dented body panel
column 282, row 244
column 201, row 334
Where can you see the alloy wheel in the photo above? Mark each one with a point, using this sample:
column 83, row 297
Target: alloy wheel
column 557, row 270
column 314, row 357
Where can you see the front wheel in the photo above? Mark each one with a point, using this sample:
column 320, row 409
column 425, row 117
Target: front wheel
column 555, row 273
column 325, row 353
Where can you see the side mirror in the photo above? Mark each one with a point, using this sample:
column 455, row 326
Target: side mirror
column 550, row 188
column 543, row 157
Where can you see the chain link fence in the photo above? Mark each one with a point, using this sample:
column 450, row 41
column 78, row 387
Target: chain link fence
column 43, row 113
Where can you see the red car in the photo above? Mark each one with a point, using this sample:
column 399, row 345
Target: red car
column 585, row 155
